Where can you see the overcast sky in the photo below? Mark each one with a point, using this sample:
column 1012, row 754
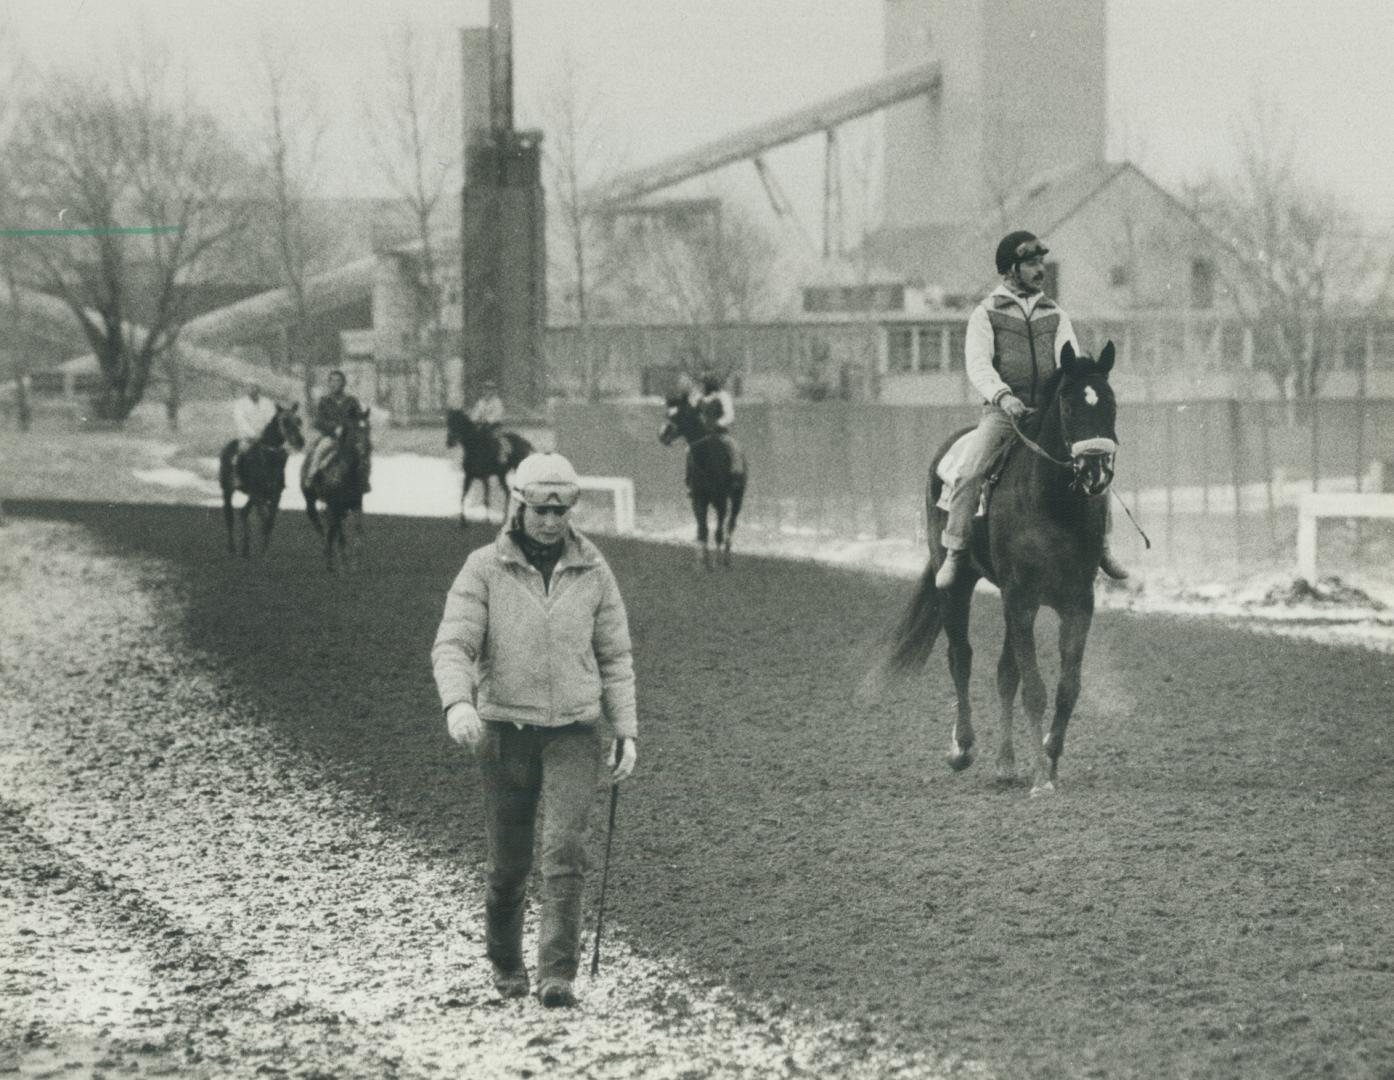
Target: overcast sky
column 675, row 72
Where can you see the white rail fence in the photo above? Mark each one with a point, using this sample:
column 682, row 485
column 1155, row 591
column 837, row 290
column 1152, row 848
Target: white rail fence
column 1314, row 506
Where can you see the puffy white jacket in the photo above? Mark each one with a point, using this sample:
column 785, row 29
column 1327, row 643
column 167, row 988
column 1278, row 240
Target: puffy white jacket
column 529, row 655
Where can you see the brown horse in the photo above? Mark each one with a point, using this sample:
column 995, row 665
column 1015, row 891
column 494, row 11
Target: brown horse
column 716, row 472
column 340, row 484
column 261, row 475
column 486, row 452
column 1040, row 543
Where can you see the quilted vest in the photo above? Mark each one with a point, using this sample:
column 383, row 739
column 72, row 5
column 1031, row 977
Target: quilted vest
column 1023, row 349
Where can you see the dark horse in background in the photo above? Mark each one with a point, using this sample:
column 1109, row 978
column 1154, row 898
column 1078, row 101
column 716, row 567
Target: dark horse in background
column 261, row 476
column 340, row 485
column 716, row 472
column 1040, row 543
column 486, row 452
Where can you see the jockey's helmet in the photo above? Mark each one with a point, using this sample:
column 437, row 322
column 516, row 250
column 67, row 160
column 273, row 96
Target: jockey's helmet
column 546, row 480
column 1017, row 247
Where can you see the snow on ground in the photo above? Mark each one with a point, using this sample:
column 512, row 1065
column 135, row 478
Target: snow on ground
column 1336, row 612
column 185, row 893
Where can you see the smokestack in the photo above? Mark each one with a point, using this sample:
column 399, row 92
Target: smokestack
column 501, row 66
column 475, row 75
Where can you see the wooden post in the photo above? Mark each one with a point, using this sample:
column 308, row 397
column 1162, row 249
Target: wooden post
column 1170, row 414
column 1236, row 445
column 1266, row 450
column 1315, row 404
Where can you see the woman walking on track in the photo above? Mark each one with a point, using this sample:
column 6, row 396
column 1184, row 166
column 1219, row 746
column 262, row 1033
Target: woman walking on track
column 532, row 652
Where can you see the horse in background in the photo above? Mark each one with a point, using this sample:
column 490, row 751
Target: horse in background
column 260, row 475
column 716, row 472
column 485, row 451
column 1040, row 543
column 340, row 485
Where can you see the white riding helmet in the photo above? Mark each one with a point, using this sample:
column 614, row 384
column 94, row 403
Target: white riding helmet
column 546, row 480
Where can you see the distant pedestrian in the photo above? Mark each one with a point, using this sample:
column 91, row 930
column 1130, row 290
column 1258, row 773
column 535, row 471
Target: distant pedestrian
column 533, row 651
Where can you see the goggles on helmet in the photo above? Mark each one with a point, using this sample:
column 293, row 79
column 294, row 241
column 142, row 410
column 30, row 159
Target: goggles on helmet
column 1030, row 249
column 563, row 495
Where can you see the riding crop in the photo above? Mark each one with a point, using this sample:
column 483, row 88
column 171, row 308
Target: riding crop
column 605, row 873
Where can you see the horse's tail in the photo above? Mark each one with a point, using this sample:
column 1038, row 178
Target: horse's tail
column 913, row 638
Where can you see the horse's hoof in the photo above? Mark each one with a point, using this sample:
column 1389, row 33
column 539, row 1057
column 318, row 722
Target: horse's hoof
column 1043, row 789
column 960, row 761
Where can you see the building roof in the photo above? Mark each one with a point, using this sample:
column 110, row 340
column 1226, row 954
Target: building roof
column 957, row 257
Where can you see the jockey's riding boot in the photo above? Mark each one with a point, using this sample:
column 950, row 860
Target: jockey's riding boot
column 948, row 572
column 1111, row 566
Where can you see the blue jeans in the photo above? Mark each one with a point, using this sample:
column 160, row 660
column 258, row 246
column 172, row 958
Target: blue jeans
column 522, row 768
column 994, row 432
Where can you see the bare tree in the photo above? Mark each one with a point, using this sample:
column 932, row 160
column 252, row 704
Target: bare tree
column 145, row 173
column 702, row 262
column 415, row 133
column 580, row 159
column 1302, row 256
column 11, row 74
column 287, row 172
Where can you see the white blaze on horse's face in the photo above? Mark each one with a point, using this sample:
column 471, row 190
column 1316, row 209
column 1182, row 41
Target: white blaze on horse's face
column 1091, row 396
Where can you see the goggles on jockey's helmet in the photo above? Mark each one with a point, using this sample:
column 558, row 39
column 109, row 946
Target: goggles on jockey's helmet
column 1018, row 247
column 546, row 480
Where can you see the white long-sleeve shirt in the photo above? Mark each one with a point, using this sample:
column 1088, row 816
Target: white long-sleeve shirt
column 251, row 417
column 979, row 346
column 728, row 407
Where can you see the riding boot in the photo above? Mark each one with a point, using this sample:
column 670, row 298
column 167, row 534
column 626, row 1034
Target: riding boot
column 1111, row 566
column 948, row 572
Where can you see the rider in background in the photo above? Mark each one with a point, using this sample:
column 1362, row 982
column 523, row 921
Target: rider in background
column 487, row 413
column 718, row 408
column 488, row 407
column 250, row 415
column 332, row 412
column 1013, row 344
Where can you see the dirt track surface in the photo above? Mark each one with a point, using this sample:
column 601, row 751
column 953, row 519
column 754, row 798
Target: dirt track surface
column 1208, row 895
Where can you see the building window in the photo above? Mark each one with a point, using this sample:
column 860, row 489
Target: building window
column 900, row 349
column 1202, row 284
column 1118, row 276
column 930, row 345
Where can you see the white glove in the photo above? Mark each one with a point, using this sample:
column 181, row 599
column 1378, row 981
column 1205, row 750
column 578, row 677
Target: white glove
column 629, row 754
column 1013, row 406
column 464, row 724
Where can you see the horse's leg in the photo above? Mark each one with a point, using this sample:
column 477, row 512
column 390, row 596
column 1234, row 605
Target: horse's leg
column 722, row 545
column 956, row 612
column 228, row 520
column 737, row 497
column 1074, row 632
column 312, row 510
column 246, row 515
column 269, row 522
column 465, row 494
column 1008, row 680
column 333, row 523
column 1021, row 626
column 699, row 510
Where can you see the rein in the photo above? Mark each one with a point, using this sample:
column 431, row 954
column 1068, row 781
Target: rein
column 1036, row 448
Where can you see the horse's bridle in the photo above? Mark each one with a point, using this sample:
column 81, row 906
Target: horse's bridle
column 1081, row 452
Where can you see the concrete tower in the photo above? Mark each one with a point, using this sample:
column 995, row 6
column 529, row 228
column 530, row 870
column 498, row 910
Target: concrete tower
column 1022, row 93
column 502, row 226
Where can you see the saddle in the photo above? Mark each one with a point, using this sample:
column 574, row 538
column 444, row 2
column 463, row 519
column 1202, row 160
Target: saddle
column 951, row 465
